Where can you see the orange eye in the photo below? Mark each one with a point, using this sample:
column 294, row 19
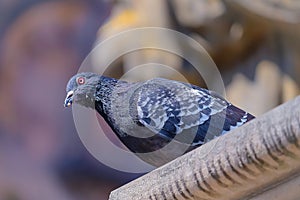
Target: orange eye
column 80, row 80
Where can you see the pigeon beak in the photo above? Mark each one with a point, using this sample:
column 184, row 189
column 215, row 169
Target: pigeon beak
column 69, row 99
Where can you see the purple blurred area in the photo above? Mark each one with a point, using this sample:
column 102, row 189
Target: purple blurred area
column 42, row 44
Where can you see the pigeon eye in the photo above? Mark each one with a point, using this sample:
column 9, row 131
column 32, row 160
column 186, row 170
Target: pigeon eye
column 81, row 80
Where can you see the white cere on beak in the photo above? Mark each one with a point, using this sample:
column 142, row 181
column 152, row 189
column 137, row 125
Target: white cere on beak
column 67, row 101
column 70, row 93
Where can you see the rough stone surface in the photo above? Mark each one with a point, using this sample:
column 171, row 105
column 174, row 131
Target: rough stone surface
column 245, row 163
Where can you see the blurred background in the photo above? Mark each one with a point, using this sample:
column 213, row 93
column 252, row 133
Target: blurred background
column 255, row 45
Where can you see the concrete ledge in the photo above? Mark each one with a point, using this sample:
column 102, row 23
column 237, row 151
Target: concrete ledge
column 246, row 163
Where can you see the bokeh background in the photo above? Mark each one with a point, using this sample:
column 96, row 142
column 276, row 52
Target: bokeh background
column 255, row 44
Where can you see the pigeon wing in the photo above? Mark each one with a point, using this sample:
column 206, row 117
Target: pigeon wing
column 171, row 108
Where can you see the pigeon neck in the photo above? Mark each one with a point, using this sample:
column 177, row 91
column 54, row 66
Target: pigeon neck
column 104, row 92
column 108, row 83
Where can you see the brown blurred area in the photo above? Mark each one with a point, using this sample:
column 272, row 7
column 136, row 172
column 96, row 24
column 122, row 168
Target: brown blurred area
column 254, row 45
column 42, row 44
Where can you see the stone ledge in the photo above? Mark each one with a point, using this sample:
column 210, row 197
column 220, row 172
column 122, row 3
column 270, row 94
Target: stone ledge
column 260, row 158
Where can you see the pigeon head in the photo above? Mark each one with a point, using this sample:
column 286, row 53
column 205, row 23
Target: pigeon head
column 81, row 89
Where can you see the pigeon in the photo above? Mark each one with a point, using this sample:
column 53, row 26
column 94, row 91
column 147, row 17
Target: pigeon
column 157, row 119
